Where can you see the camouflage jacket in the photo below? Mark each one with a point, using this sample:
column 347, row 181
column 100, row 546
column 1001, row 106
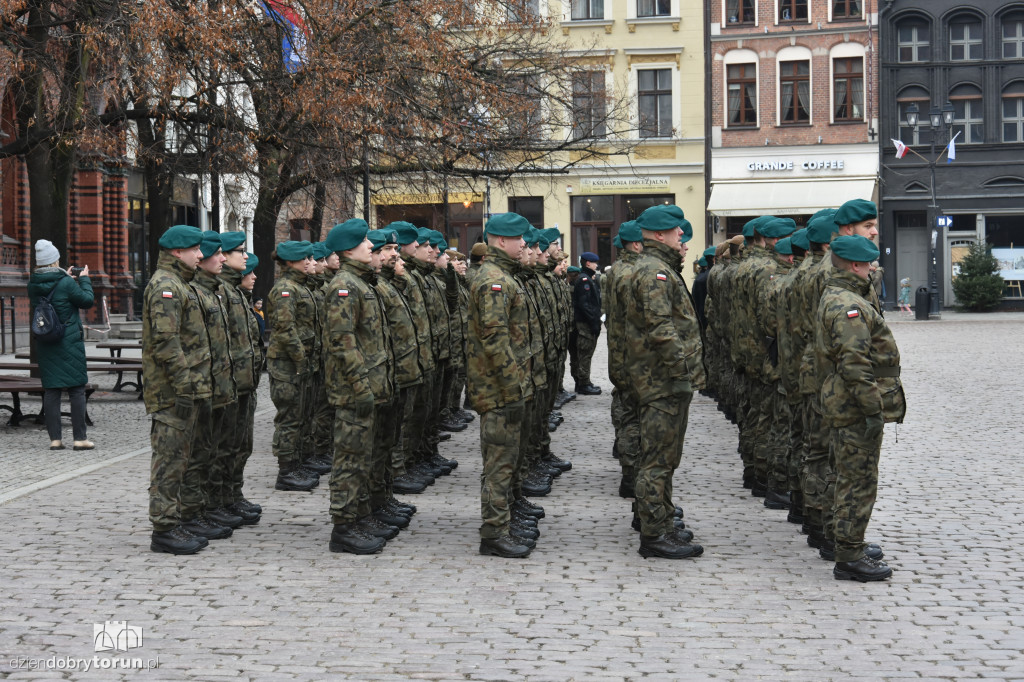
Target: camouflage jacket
column 788, row 340
column 768, row 314
column 662, row 326
column 856, row 355
column 811, row 288
column 317, row 285
column 448, row 287
column 497, row 352
column 464, row 317
column 211, row 295
column 434, row 307
column 259, row 353
column 357, row 338
column 243, row 334
column 747, row 320
column 548, row 303
column 415, row 297
column 291, row 318
column 553, row 295
column 616, row 285
column 175, row 346
column 528, row 281
column 403, row 332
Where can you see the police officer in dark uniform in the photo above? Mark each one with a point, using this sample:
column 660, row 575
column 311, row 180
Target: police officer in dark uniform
column 586, row 305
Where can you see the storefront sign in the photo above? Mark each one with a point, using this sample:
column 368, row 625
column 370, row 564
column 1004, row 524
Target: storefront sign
column 432, row 198
column 786, row 165
column 624, row 185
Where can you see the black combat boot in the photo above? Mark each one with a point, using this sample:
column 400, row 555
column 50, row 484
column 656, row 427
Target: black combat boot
column 224, row 517
column 317, row 465
column 667, row 546
column 347, row 537
column 176, row 541
column 796, row 507
column 552, row 461
column 249, row 518
column 371, row 526
column 293, row 478
column 408, row 484
column 504, row 546
column 776, row 500
column 390, row 518
column 862, row 570
column 627, row 484
column 206, row 528
column 529, row 508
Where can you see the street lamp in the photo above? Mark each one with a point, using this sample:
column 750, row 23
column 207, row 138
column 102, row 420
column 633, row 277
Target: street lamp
column 941, row 121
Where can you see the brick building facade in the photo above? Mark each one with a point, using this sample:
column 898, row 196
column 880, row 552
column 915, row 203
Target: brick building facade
column 793, row 108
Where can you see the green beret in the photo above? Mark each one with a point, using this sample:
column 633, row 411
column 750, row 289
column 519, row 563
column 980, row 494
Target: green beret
column 777, row 228
column 822, row 226
column 799, row 238
column 181, row 237
column 211, row 243
column 751, row 225
column 629, row 231
column 423, row 235
column 710, row 251
column 687, row 231
column 617, row 242
column 347, row 235
column 784, row 246
column 294, row 251
column 442, row 246
column 702, row 262
column 855, row 211
column 437, row 239
column 542, row 242
column 551, row 234
column 379, row 238
column 320, row 251
column 573, row 268
column 229, row 241
column 250, row 263
column 855, row 248
column 661, row 217
column 507, row 225
column 407, row 232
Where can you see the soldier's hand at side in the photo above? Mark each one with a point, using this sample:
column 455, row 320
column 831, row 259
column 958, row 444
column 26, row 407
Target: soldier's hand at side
column 680, row 387
column 184, row 406
column 514, row 412
column 363, row 405
column 873, row 425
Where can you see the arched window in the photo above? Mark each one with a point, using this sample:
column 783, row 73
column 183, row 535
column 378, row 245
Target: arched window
column 914, row 94
column 965, row 42
column 913, row 41
column 1013, row 36
column 1013, row 112
column 741, row 88
column 967, row 116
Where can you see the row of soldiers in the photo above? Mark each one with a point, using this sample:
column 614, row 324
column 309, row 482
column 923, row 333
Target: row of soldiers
column 800, row 358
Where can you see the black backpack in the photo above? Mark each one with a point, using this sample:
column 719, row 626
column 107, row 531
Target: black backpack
column 47, row 327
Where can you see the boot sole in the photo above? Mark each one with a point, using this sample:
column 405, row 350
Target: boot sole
column 488, row 551
column 338, row 547
column 846, row 575
column 160, row 549
column 776, row 505
column 293, row 488
column 648, row 553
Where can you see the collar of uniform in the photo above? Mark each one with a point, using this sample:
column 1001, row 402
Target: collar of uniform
column 539, row 269
column 626, row 255
column 423, row 267
column 501, row 259
column 845, row 279
column 168, row 262
column 294, row 275
column 387, row 272
column 231, row 277
column 663, row 252
column 206, row 280
column 355, row 266
column 587, row 271
column 784, row 264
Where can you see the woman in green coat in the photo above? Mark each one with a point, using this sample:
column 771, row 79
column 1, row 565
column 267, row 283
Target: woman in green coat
column 62, row 364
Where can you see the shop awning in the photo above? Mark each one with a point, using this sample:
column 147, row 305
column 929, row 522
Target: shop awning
column 786, row 198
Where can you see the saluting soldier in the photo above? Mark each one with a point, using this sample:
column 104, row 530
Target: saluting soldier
column 860, row 363
column 176, row 384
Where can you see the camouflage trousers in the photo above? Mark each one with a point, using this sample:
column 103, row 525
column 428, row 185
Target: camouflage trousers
column 353, row 459
column 818, row 478
column 662, row 430
column 387, row 433
column 288, row 392
column 418, row 420
column 778, row 442
column 527, row 440
column 586, row 344
column 217, row 486
column 762, row 408
column 797, row 445
column 855, row 456
column 432, row 427
column 626, row 421
column 414, row 418
column 499, row 444
column 563, row 353
column 745, row 420
column 454, row 399
column 174, row 486
column 321, row 441
column 243, row 442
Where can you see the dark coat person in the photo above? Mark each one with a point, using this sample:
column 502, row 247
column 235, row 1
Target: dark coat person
column 62, row 364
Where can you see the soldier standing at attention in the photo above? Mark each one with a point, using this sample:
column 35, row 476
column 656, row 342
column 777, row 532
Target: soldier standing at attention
column 176, row 385
column 291, row 314
column 860, row 363
column 586, row 305
column 318, row 445
column 665, row 366
column 497, row 374
column 360, row 381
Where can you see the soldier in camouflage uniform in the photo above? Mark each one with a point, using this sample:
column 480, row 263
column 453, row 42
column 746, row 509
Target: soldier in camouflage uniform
column 664, row 368
column 176, row 383
column 554, row 351
column 857, row 356
column 318, row 445
column 213, row 464
column 498, row 379
column 291, row 317
column 625, row 413
column 460, row 320
column 360, row 384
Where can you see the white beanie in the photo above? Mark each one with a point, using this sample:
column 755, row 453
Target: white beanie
column 46, row 253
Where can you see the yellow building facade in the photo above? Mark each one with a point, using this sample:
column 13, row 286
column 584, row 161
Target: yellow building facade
column 649, row 53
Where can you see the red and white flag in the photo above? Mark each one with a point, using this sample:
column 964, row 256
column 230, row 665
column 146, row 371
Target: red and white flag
column 901, row 148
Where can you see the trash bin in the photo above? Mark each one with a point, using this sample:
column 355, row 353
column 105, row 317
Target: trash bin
column 922, row 304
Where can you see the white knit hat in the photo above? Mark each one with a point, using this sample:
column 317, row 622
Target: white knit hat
column 46, row 253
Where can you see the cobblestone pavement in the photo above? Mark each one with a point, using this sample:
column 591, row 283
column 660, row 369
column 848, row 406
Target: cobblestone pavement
column 272, row 603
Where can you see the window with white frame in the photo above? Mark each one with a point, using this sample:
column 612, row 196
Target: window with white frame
column 1013, row 113
column 741, row 90
column 1013, row 37
column 795, row 92
column 965, row 40
column 967, row 114
column 913, row 135
column 792, row 10
column 848, row 89
column 587, row 9
column 913, row 41
column 588, row 105
column 654, row 100
column 740, row 12
column 653, row 8
column 523, row 11
column 847, row 9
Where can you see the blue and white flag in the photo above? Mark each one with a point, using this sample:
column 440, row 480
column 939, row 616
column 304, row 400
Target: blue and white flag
column 951, row 148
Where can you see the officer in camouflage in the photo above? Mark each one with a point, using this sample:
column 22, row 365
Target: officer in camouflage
column 858, row 359
column 176, row 382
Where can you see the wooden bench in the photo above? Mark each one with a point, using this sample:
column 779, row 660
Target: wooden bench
column 118, row 366
column 16, row 385
column 116, row 347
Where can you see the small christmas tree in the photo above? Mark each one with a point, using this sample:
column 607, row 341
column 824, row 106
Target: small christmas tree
column 978, row 287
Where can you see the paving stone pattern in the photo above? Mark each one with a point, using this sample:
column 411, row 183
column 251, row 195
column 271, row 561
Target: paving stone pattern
column 271, row 603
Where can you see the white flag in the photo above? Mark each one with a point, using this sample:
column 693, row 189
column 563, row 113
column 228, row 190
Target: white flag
column 951, row 149
column 901, row 148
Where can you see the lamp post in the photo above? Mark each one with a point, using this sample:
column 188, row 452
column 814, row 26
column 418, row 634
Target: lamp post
column 940, row 121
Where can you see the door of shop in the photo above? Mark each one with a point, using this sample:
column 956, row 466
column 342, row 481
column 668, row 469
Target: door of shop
column 595, row 221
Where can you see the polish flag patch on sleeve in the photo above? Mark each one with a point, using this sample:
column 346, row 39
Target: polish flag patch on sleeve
column 285, row 294
column 342, row 292
column 853, row 313
column 495, row 287
column 167, row 294
column 662, row 276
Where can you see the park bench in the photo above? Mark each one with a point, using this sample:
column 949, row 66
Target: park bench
column 16, row 385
